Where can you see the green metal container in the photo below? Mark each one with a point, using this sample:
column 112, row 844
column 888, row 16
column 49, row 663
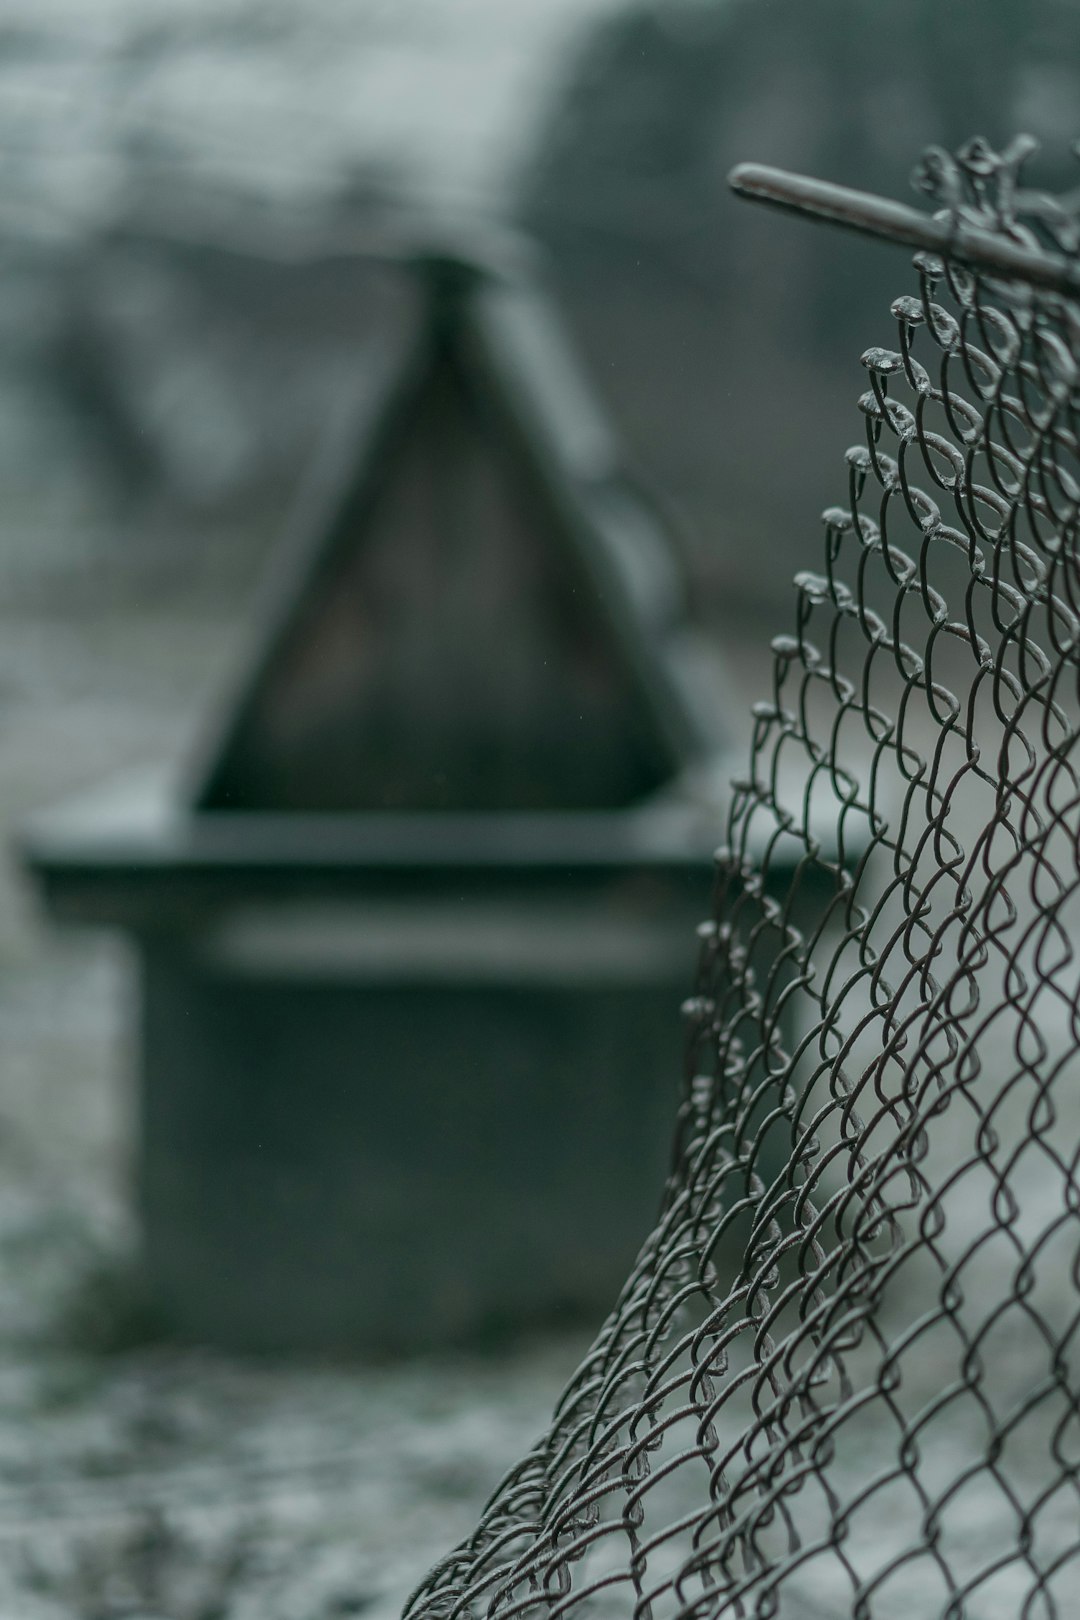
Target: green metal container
column 415, row 931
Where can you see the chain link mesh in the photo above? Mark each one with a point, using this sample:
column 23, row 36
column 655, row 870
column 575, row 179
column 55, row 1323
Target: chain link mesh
column 842, row 1378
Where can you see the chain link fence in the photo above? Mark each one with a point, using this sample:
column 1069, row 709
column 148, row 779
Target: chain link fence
column 842, row 1377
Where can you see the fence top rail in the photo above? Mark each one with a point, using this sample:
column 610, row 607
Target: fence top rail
column 945, row 232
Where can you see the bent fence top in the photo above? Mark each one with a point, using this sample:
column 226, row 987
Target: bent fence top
column 842, row 1378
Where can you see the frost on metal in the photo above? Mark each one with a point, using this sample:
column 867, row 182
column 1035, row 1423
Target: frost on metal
column 844, row 1375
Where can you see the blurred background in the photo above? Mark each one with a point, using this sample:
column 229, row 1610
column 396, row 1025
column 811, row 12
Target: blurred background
column 194, row 202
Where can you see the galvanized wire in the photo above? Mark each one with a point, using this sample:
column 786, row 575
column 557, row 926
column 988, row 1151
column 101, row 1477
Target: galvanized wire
column 843, row 1376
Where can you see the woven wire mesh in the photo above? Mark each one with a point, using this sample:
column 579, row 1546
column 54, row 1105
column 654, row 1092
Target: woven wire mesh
column 843, row 1377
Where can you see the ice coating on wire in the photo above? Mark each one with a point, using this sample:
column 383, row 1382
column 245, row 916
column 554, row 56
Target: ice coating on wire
column 844, row 1375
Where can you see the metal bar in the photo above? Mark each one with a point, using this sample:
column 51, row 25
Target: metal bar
column 869, row 215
